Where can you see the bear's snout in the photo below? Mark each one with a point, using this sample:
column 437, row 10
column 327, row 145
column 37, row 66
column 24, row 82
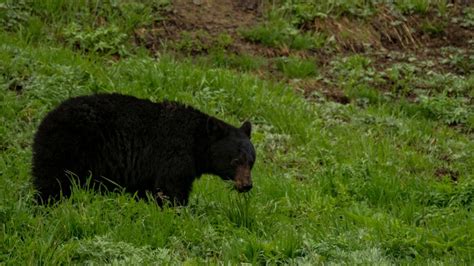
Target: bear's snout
column 243, row 179
column 245, row 187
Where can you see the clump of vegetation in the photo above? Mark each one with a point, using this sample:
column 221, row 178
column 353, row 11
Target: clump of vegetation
column 463, row 62
column 355, row 71
column 451, row 111
column 201, row 41
column 14, row 14
column 433, row 28
column 468, row 17
column 279, row 33
column 413, row 6
column 243, row 62
column 305, row 11
column 106, row 40
column 294, row 67
column 402, row 78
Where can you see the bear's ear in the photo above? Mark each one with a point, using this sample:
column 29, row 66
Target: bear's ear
column 216, row 128
column 246, row 128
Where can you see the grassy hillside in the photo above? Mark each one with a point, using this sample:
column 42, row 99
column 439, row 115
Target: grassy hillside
column 364, row 144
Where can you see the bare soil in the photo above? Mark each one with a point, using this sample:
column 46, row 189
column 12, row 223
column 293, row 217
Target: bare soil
column 309, row 87
column 442, row 172
column 214, row 17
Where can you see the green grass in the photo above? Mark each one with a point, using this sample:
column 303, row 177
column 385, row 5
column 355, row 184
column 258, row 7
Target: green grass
column 294, row 67
column 242, row 62
column 382, row 180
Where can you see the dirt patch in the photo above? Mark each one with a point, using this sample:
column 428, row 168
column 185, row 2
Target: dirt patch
column 442, row 172
column 16, row 87
column 452, row 35
column 309, row 87
column 214, row 16
column 207, row 17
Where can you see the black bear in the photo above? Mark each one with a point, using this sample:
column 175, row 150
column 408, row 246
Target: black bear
column 138, row 145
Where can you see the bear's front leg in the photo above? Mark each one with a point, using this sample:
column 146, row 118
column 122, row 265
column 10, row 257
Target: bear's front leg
column 176, row 185
column 176, row 197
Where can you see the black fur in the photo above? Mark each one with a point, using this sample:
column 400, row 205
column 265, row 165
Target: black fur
column 137, row 144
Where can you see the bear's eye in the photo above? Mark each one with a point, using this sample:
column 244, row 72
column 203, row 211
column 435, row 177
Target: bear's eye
column 238, row 161
column 234, row 162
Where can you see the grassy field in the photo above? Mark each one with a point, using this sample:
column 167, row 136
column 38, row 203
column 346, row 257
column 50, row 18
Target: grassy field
column 364, row 153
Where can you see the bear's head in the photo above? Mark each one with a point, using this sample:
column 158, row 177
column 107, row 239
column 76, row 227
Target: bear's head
column 231, row 154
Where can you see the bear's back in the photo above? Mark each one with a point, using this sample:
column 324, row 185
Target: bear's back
column 105, row 112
